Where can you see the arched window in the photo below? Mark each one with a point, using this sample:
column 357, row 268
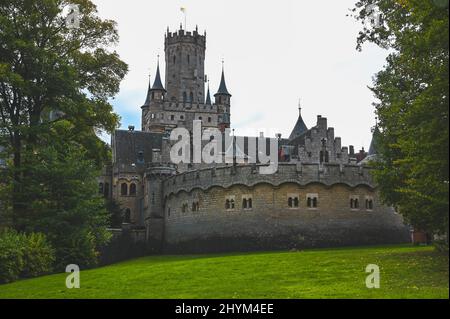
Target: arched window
column 356, row 203
column 250, row 203
column 106, row 190
column 127, row 217
column 227, row 204
column 370, row 204
column 314, row 202
column 132, row 189
column 100, row 188
column 296, row 202
column 188, row 59
column 232, row 203
column 184, row 96
column 244, row 203
column 124, row 189
column 309, row 202
column 290, row 202
column 191, row 97
column 352, row 204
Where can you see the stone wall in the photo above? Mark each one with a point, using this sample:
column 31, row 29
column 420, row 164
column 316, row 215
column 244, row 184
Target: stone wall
column 270, row 223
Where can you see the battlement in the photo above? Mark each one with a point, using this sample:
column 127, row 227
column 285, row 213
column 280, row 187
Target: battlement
column 298, row 173
column 185, row 37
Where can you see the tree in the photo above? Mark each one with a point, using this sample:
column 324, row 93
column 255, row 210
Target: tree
column 47, row 67
column 412, row 92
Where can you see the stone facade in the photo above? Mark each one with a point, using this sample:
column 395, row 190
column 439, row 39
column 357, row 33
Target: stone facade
column 322, row 194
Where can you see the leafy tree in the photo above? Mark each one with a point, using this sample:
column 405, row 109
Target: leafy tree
column 412, row 92
column 63, row 200
column 48, row 67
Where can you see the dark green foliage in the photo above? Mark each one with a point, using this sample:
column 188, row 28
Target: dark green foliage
column 413, row 93
column 46, row 67
column 24, row 255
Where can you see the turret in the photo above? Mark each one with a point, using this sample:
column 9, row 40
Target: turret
column 157, row 91
column 222, row 96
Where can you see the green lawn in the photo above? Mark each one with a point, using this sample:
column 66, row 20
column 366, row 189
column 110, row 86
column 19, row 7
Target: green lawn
column 406, row 272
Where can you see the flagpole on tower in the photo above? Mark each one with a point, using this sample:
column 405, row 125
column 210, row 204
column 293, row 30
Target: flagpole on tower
column 183, row 9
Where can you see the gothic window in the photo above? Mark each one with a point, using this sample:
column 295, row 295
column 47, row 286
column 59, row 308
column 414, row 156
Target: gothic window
column 354, row 202
column 174, row 59
column 100, row 188
column 188, row 58
column 369, row 203
column 184, row 96
column 230, row 203
column 191, row 97
column 132, row 189
column 293, row 201
column 127, row 217
column 244, row 203
column 312, row 200
column 106, row 190
column 124, row 189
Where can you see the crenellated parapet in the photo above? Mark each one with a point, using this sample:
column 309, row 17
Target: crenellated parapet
column 248, row 175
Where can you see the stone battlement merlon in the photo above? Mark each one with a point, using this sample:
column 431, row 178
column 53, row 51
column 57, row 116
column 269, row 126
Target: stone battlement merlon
column 298, row 173
column 185, row 37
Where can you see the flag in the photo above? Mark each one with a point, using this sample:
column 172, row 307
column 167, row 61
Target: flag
column 183, row 9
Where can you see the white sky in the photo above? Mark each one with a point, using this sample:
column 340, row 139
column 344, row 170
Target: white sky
column 275, row 53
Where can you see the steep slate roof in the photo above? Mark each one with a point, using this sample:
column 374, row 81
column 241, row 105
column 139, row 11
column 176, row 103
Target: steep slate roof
column 208, row 97
column 222, row 87
column 299, row 129
column 157, row 85
column 373, row 149
column 148, row 98
column 128, row 144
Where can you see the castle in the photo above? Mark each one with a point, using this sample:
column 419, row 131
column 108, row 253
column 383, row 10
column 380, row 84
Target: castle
column 322, row 193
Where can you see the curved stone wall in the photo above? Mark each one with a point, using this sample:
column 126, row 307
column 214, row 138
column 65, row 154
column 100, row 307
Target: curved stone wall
column 199, row 219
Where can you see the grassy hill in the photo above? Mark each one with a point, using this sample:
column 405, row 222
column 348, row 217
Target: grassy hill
column 406, row 272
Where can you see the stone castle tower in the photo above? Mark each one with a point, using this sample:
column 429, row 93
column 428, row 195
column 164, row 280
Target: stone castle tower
column 183, row 98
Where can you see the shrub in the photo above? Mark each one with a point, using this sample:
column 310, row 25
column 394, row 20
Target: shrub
column 38, row 256
column 11, row 256
column 24, row 255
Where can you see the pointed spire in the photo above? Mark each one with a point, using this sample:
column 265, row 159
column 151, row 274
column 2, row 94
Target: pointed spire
column 223, row 87
column 149, row 95
column 157, row 85
column 208, row 96
column 300, row 127
column 373, row 149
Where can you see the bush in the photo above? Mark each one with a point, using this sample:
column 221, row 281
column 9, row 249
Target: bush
column 78, row 248
column 24, row 255
column 38, row 256
column 11, row 256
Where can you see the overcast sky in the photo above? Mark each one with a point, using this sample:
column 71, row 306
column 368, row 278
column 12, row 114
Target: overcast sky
column 275, row 52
